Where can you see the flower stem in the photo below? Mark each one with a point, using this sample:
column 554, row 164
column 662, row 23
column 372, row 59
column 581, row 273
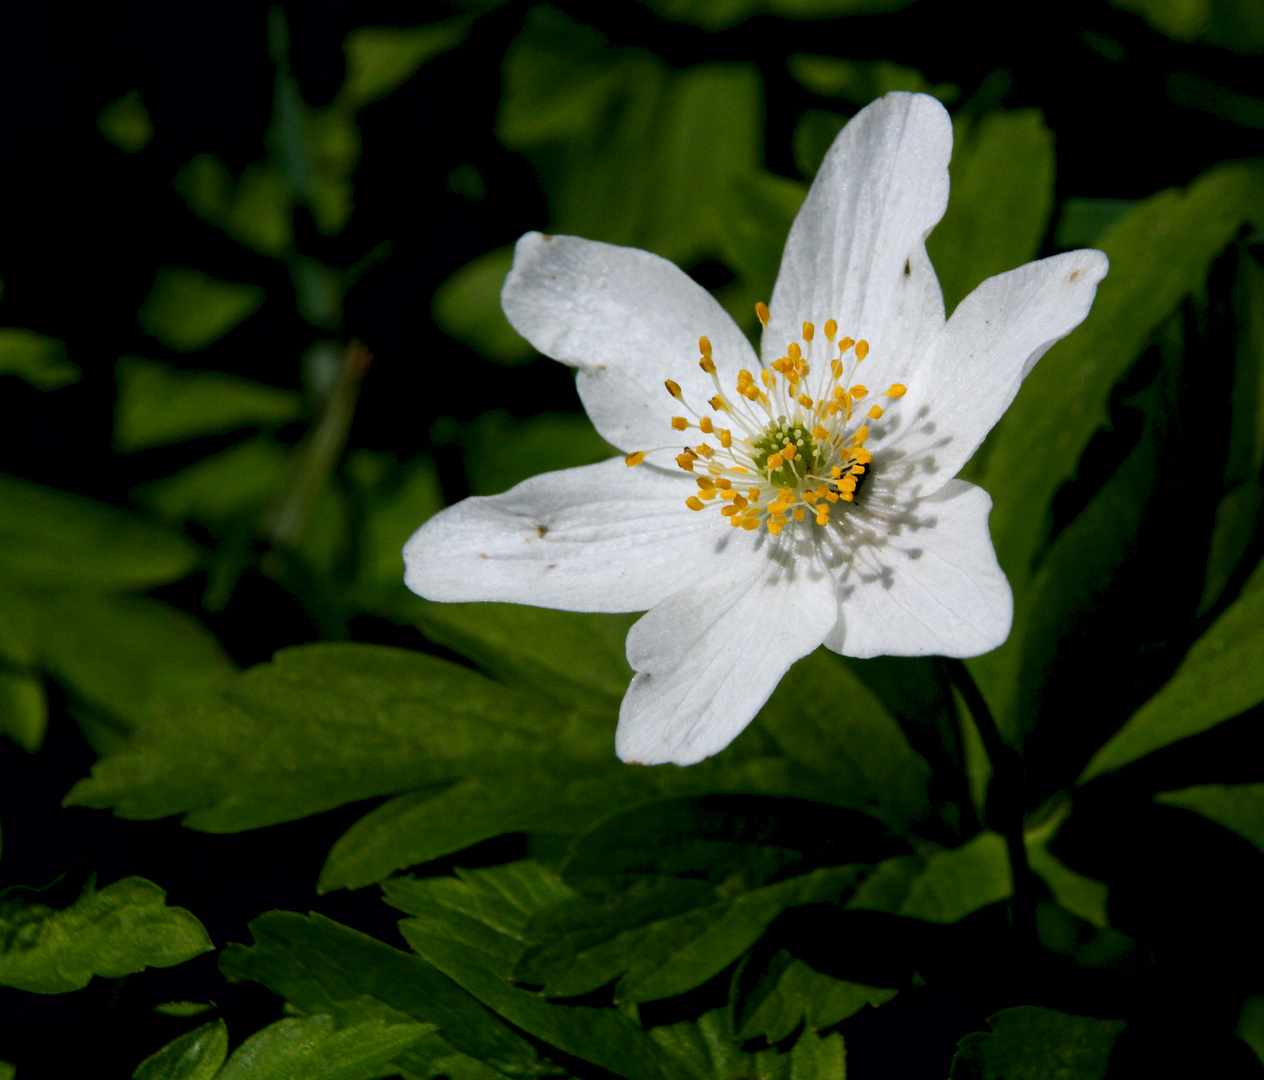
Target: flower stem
column 1006, row 799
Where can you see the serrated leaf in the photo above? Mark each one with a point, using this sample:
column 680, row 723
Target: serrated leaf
column 958, row 881
column 158, row 405
column 55, row 538
column 318, row 965
column 1034, row 1043
column 1237, row 807
column 312, row 1048
column 1221, row 676
column 188, row 309
column 36, row 359
column 707, row 1049
column 1002, row 198
column 121, row 929
column 324, row 725
column 195, row 1055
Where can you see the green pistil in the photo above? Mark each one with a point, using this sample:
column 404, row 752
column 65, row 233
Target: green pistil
column 775, row 436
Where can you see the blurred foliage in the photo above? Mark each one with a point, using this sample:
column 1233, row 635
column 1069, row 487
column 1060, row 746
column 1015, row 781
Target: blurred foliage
column 290, row 352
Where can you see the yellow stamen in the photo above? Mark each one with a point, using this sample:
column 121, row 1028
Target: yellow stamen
column 876, row 412
column 761, row 312
column 685, row 461
column 862, row 349
column 693, row 502
column 753, row 493
column 819, row 432
column 679, row 423
column 858, row 392
column 805, row 401
column 822, row 517
column 798, row 514
column 775, row 461
column 705, row 425
column 809, row 331
column 723, row 484
column 862, row 433
column 707, row 365
column 897, row 390
column 634, row 458
column 717, row 403
column 750, row 523
column 673, row 388
column 777, row 507
column 704, row 346
column 787, row 452
column 794, row 352
column 726, row 438
column 705, row 482
column 831, row 328
column 844, row 344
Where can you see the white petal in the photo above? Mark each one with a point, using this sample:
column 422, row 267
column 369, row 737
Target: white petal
column 629, row 321
column 707, row 658
column 924, row 580
column 597, row 538
column 856, row 252
column 974, row 367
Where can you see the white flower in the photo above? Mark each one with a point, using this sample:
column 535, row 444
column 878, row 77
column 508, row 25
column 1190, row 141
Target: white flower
column 805, row 509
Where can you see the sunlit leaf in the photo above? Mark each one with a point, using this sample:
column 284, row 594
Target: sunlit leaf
column 467, row 307
column 1034, row 1043
column 55, row 538
column 195, row 1055
column 188, row 309
column 861, row 81
column 157, row 404
column 36, row 359
column 1237, row 807
column 958, row 881
column 310, row 1048
column 1221, row 676
column 1079, row 894
column 123, row 928
column 381, row 59
column 1002, row 198
column 708, row 1049
column 318, row 966
column 324, row 725
column 23, row 709
column 125, row 122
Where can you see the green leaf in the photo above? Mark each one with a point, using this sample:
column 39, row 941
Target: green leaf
column 254, row 208
column 1082, row 222
column 707, row 1049
column 814, row 134
column 787, row 992
column 381, row 59
column 234, row 483
column 959, row 881
column 319, row 966
column 543, row 442
column 1080, row 895
column 121, row 929
column 471, row 933
column 125, row 122
column 158, row 405
column 1221, row 676
column 324, row 725
column 1034, row 1043
column 187, row 310
column 1002, row 198
column 1159, row 252
column 573, row 658
column 55, row 538
column 36, row 359
column 1250, row 1027
column 1237, row 807
column 195, row 1055
column 7, row 1071
column 862, row 81
column 467, row 307
column 23, row 709
column 310, row 1048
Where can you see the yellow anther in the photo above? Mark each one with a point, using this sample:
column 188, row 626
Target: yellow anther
column 738, row 468
column 679, row 423
column 831, row 496
column 841, row 395
column 785, row 495
column 858, row 392
column 685, row 461
column 862, row 433
column 673, row 388
column 705, row 425
column 861, row 454
column 761, row 312
column 775, row 526
column 831, row 328
column 844, row 344
column 857, row 470
column 707, row 494
column 862, row 349
column 753, row 493
column 740, row 503
column 693, row 502
column 794, row 352
column 726, row 438
column 777, row 507
column 705, row 450
column 805, row 401
column 822, row 517
column 847, row 483
column 705, row 482
column 810, row 497
column 717, row 403
column 748, row 390
column 765, row 377
column 897, row 390
column 836, row 472
column 809, row 331
column 798, row 514
column 750, row 523
column 876, row 412
column 728, row 511
column 819, row 432
column 723, row 484
column 704, row 346
column 728, row 493
column 634, row 458
column 775, row 461
column 707, row 365
column 787, row 452
column 836, row 368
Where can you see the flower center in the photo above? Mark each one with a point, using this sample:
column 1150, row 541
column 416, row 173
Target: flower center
column 788, row 454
